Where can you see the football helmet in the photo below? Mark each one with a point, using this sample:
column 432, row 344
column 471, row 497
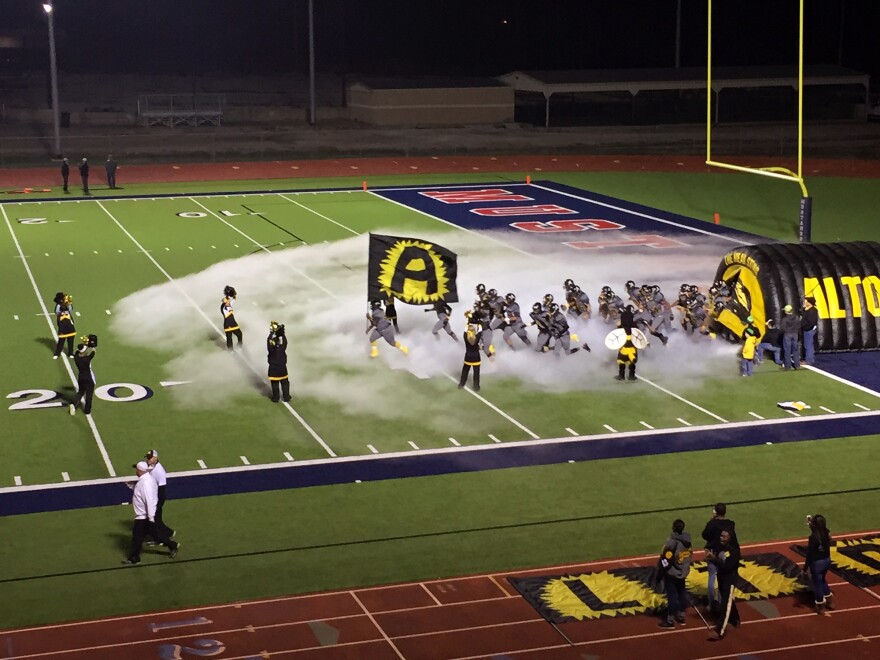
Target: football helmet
column 548, row 299
column 568, row 284
column 553, row 308
column 606, row 290
column 510, row 298
column 537, row 308
column 493, row 293
column 480, row 289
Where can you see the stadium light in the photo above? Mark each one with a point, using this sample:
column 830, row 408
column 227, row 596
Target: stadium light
column 56, row 116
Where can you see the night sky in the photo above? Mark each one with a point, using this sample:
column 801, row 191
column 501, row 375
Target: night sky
column 436, row 37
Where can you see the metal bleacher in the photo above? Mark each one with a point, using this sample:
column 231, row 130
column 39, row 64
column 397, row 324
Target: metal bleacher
column 181, row 109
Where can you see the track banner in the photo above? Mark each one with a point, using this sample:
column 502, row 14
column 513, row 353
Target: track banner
column 624, row 591
column 855, row 560
column 411, row 270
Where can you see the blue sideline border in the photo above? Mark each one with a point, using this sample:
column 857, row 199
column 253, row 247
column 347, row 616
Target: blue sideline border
column 439, row 462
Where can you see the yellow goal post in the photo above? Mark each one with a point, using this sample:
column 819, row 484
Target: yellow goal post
column 806, row 205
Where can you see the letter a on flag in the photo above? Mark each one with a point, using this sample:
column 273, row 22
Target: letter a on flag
column 412, row 270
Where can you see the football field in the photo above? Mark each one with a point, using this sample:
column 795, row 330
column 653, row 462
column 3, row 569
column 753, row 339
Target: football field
column 147, row 275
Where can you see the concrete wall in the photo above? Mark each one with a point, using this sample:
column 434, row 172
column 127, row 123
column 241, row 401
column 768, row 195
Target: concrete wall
column 431, row 107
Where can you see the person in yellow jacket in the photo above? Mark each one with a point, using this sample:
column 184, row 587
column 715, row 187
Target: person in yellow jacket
column 750, row 343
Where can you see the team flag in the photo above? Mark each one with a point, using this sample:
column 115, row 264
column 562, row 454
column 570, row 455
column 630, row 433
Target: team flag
column 411, row 270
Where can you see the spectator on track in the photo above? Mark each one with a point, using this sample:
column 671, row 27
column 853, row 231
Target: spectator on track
column 791, row 327
column 674, row 566
column 65, row 173
column 84, row 174
column 711, row 534
column 726, row 560
column 818, row 562
column 110, row 167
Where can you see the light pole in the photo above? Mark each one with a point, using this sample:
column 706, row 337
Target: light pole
column 53, row 65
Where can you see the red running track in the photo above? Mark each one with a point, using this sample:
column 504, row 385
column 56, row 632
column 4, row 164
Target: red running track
column 469, row 617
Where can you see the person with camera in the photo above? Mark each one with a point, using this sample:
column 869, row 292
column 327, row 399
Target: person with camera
column 85, row 379
column 276, row 349
column 818, row 562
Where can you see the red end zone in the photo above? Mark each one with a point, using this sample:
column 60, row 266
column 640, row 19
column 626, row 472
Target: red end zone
column 469, row 617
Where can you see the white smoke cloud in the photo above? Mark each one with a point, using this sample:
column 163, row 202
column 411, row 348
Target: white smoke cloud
column 319, row 293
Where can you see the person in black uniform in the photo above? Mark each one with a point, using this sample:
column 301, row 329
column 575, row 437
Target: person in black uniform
column 66, row 330
column 84, row 174
column 726, row 558
column 65, row 173
column 627, row 319
column 391, row 313
column 276, row 348
column 473, row 343
column 85, row 378
column 230, row 325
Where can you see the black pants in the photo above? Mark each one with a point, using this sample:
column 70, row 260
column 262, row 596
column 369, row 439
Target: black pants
column 139, row 531
column 464, row 376
column 87, row 390
column 65, row 176
column 229, row 334
column 60, row 345
column 725, row 584
column 159, row 529
column 85, row 184
column 111, row 179
column 621, row 370
column 284, row 386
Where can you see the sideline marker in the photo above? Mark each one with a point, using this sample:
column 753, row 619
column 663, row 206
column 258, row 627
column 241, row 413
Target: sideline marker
column 717, row 219
column 365, row 184
column 528, row 179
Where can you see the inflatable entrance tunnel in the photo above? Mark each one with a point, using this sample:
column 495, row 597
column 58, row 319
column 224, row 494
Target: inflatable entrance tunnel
column 844, row 278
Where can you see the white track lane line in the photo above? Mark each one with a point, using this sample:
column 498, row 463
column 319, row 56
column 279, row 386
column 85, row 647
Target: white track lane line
column 101, row 448
column 201, row 312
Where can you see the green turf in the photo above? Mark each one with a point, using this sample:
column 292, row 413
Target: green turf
column 283, row 542
column 237, row 547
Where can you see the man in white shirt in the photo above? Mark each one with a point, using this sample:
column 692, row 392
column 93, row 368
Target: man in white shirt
column 159, row 474
column 144, row 501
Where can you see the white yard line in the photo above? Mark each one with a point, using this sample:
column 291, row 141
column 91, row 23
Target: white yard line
column 828, row 410
column 413, row 445
column 862, row 388
column 682, row 399
column 288, row 456
column 611, row 429
column 320, row 215
column 201, row 312
column 859, row 405
column 263, row 248
column 646, row 425
column 497, row 409
column 101, row 448
column 755, row 415
column 686, row 423
column 572, row 431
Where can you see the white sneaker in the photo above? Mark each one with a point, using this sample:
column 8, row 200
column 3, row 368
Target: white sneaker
column 54, row 357
column 72, row 409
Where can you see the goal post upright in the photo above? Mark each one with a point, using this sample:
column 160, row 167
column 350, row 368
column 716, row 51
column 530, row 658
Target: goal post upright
column 806, row 203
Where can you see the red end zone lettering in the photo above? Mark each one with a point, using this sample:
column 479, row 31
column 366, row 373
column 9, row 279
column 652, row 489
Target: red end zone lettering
column 471, row 196
column 566, row 225
column 648, row 240
column 537, row 209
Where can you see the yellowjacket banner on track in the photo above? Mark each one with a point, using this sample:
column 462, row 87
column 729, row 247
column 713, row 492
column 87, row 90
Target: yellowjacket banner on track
column 624, row 591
